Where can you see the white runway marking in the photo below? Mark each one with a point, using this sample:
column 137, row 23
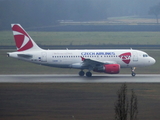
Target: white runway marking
column 72, row 78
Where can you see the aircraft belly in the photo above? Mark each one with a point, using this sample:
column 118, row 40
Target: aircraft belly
column 62, row 63
column 58, row 65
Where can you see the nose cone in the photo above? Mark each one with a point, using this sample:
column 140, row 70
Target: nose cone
column 152, row 61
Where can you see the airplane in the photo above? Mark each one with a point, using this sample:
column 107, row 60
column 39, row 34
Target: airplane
column 98, row 60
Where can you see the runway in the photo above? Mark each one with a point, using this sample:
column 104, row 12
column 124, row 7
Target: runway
column 72, row 78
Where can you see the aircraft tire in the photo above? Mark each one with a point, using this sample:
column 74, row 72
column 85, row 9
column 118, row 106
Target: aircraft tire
column 81, row 73
column 89, row 74
column 133, row 74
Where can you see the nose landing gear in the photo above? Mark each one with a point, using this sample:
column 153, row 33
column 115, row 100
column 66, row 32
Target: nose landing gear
column 133, row 73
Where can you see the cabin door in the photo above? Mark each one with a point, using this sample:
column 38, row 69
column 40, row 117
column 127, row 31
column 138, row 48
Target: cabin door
column 44, row 57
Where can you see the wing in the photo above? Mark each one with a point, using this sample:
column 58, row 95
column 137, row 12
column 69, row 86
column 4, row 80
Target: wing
column 92, row 62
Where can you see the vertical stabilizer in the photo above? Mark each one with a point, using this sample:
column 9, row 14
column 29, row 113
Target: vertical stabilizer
column 22, row 39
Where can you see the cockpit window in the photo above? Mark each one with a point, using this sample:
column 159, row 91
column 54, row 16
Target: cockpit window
column 145, row 55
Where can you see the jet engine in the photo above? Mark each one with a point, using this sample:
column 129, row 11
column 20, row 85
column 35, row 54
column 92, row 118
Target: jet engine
column 108, row 68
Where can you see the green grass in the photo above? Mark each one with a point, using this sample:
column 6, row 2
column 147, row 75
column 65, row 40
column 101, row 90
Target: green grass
column 84, row 38
column 123, row 20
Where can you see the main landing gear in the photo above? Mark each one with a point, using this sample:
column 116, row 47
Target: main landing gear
column 81, row 73
column 88, row 74
column 133, row 73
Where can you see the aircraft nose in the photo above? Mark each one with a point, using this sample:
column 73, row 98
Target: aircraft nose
column 152, row 61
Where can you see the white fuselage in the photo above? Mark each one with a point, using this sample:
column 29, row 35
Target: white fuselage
column 73, row 58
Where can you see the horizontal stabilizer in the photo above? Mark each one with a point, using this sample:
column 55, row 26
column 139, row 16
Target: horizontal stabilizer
column 25, row 56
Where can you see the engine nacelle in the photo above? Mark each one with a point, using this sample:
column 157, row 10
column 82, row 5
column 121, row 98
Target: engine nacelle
column 112, row 68
column 109, row 68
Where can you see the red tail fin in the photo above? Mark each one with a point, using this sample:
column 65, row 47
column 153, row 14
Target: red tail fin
column 22, row 39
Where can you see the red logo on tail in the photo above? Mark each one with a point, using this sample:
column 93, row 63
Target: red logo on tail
column 125, row 57
column 23, row 41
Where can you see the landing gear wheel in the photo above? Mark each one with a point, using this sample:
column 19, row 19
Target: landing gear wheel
column 132, row 70
column 133, row 74
column 89, row 74
column 81, row 73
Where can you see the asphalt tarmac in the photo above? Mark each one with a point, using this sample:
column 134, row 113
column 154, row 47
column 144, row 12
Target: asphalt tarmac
column 74, row 78
column 70, row 97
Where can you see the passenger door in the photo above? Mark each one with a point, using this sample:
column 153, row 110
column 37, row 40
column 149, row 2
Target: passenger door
column 44, row 57
column 135, row 56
